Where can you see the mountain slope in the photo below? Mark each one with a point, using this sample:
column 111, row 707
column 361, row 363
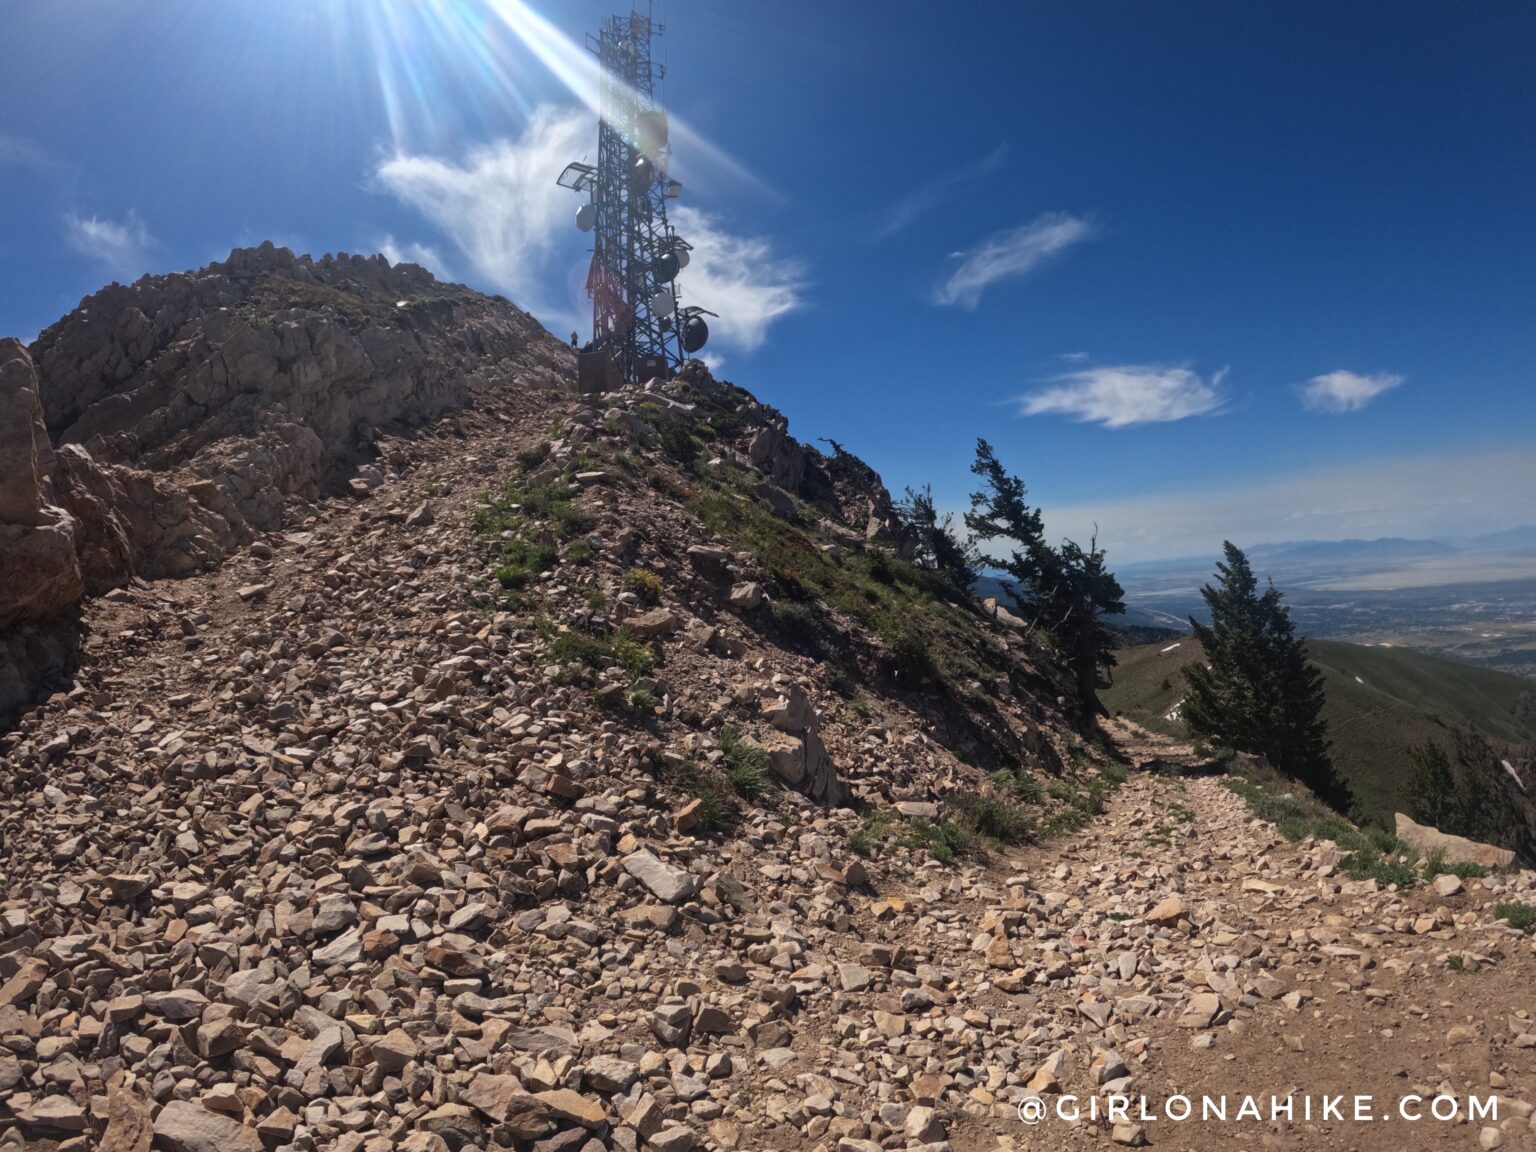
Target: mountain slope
column 1381, row 703
column 586, row 774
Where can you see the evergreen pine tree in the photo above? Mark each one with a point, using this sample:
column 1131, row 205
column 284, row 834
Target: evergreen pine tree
column 1065, row 591
column 937, row 547
column 1257, row 691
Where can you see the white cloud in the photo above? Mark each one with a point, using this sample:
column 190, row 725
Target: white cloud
column 1343, row 391
column 927, row 196
column 1118, row 396
column 1009, row 255
column 740, row 277
column 412, row 252
column 120, row 246
column 1414, row 496
column 501, row 207
column 503, row 212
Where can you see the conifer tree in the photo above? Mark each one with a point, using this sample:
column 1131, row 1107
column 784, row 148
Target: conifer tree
column 1257, row 691
column 938, row 547
column 1066, row 592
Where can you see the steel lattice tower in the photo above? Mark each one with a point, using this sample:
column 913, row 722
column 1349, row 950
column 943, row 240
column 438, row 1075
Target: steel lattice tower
column 637, row 323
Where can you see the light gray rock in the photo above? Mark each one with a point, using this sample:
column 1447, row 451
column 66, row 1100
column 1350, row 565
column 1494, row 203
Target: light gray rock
column 665, row 882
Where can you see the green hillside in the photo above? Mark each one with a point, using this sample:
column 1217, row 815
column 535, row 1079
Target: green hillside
column 1381, row 702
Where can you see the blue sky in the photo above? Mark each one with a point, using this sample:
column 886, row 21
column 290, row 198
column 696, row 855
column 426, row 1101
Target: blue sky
column 1197, row 269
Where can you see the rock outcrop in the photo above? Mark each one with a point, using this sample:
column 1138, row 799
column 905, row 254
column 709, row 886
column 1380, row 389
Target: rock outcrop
column 39, row 572
column 161, row 425
column 1453, row 849
column 259, row 381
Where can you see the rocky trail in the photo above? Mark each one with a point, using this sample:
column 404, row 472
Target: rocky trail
column 359, row 841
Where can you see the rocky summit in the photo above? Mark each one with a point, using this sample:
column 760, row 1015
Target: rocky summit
column 406, row 751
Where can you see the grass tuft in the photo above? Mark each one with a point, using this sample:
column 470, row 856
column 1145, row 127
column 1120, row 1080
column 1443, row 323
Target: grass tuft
column 1519, row 916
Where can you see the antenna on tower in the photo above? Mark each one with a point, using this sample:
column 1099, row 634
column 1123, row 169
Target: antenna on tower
column 640, row 328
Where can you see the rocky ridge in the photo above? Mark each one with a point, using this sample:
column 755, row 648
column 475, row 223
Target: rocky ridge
column 160, row 425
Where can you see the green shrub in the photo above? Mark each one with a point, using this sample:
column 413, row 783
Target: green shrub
column 1115, row 774
column 637, row 657
column 677, row 441
column 1293, row 816
column 1027, row 789
column 646, row 585
column 943, row 841
column 1519, row 916
column 579, row 553
column 1466, row 870
column 573, row 521
column 579, row 648
column 880, row 569
column 993, row 817
column 1367, row 863
column 512, row 575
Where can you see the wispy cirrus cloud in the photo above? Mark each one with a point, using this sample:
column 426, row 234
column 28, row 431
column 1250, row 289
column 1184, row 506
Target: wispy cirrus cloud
column 1342, row 391
column 502, row 211
column 1122, row 395
column 740, row 277
column 120, row 246
column 500, row 206
column 929, row 195
column 1010, row 255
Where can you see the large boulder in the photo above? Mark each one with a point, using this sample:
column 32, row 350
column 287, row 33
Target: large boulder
column 1454, row 849
column 39, row 573
column 183, row 1126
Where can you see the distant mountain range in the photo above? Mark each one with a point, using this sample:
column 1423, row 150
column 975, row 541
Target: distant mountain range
column 1315, row 558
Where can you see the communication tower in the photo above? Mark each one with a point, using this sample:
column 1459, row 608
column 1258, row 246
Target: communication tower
column 640, row 327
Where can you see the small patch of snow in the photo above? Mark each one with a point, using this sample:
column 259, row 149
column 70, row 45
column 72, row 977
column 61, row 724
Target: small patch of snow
column 1171, row 647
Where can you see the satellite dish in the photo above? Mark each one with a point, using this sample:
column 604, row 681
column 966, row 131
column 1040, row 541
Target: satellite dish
column 586, row 216
column 695, row 334
column 682, row 256
column 642, row 172
column 663, row 302
column 667, row 267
